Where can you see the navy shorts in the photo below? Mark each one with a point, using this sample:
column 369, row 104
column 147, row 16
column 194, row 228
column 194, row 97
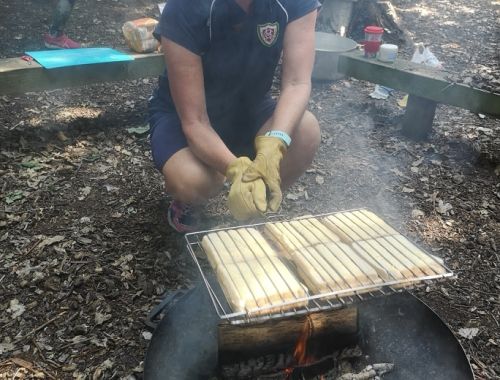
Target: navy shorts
column 237, row 130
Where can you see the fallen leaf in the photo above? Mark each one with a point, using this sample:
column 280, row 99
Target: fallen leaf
column 138, row 130
column 16, row 309
column 486, row 131
column 61, row 136
column 416, row 213
column 111, row 188
column 14, row 196
column 84, row 240
column 408, row 190
column 320, row 180
column 33, row 164
column 147, row 335
column 49, row 241
column 84, row 192
column 468, row 333
column 443, row 208
column 417, row 162
column 100, row 318
column 397, row 172
column 6, row 347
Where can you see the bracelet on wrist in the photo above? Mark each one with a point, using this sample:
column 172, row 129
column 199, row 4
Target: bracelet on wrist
column 281, row 135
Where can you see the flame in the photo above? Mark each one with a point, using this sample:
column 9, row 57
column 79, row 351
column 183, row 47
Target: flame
column 300, row 356
column 300, row 351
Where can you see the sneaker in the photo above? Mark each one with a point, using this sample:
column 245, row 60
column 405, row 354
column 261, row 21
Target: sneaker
column 181, row 218
column 60, row 42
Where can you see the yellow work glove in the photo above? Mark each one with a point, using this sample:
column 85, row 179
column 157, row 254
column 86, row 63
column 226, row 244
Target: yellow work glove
column 246, row 199
column 266, row 166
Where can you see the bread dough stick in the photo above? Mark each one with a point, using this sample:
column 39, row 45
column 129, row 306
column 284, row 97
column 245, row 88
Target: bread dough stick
column 235, row 246
column 241, row 246
column 243, row 289
column 335, row 256
column 353, row 225
column 435, row 263
column 352, row 277
column 259, row 245
column 274, row 232
column 251, row 285
column 396, row 257
column 267, row 257
column 299, row 247
column 247, row 240
column 282, row 278
column 372, row 228
column 344, row 237
column 217, row 251
column 374, row 252
column 348, row 230
column 429, row 264
column 312, row 268
column 369, row 270
column 318, row 275
column 369, row 267
column 311, row 233
column 329, row 234
column 332, row 258
column 374, row 218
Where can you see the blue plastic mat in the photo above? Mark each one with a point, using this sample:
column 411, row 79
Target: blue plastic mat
column 51, row 59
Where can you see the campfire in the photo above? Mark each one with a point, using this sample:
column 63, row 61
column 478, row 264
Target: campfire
column 318, row 298
column 288, row 292
column 310, row 359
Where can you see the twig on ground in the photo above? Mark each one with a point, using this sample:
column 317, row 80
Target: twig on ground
column 34, row 331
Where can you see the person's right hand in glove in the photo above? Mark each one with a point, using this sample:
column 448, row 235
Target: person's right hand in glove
column 246, row 200
column 266, row 166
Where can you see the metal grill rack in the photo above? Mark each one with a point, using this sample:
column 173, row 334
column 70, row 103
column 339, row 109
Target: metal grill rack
column 313, row 302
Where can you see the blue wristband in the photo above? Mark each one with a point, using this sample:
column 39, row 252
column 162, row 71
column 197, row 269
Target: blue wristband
column 281, row 135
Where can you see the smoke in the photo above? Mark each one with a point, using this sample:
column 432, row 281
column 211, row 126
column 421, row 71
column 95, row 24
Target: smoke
column 358, row 171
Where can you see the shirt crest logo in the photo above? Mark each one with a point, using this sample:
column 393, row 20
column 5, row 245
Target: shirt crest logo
column 268, row 33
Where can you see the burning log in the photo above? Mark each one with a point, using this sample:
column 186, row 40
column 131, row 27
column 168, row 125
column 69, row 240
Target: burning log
column 341, row 325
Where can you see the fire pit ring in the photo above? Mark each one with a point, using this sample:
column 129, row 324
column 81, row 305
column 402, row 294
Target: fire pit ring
column 399, row 329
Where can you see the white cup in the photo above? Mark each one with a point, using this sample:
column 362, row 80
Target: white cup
column 387, row 53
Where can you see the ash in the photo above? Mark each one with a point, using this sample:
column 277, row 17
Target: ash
column 346, row 364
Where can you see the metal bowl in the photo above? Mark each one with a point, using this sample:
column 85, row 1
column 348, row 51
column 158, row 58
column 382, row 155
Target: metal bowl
column 328, row 48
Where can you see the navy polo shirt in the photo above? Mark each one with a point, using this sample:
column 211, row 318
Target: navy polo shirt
column 239, row 50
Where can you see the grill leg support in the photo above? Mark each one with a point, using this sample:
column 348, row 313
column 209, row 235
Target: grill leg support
column 419, row 117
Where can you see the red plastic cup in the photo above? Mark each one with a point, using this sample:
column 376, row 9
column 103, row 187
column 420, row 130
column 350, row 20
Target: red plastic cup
column 373, row 40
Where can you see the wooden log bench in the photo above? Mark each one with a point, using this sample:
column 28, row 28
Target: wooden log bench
column 427, row 87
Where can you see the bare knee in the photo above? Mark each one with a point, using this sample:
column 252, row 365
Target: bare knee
column 305, row 142
column 308, row 134
column 190, row 181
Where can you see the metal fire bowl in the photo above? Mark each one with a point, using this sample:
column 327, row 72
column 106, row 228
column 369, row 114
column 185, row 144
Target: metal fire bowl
column 399, row 329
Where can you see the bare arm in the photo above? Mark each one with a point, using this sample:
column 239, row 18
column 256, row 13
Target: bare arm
column 185, row 75
column 298, row 61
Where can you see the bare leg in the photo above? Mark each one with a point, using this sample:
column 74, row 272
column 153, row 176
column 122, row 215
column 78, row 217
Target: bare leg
column 190, row 181
column 61, row 16
column 305, row 142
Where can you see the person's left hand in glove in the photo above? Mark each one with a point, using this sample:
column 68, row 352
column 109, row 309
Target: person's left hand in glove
column 269, row 153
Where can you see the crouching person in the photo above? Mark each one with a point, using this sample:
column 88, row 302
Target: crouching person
column 212, row 118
